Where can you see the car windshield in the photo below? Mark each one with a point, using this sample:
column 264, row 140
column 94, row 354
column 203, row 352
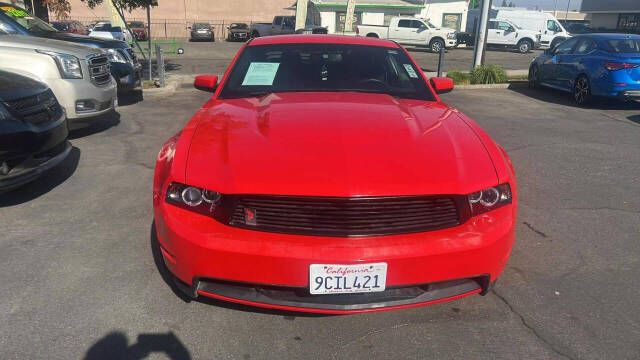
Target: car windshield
column 60, row 26
column 107, row 28
column 201, row 26
column 265, row 69
column 239, row 26
column 625, row 46
column 30, row 23
column 136, row 24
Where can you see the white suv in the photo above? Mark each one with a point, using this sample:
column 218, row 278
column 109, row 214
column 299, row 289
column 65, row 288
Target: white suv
column 78, row 75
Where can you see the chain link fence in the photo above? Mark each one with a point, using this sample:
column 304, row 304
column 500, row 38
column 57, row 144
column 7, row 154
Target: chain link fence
column 176, row 28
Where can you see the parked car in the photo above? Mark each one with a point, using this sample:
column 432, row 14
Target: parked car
column 70, row 26
column 238, row 32
column 507, row 35
column 33, row 130
column 591, row 65
column 202, row 31
column 107, row 31
column 326, row 175
column 551, row 31
column 284, row 25
column 139, row 30
column 125, row 68
column 78, row 75
column 411, row 31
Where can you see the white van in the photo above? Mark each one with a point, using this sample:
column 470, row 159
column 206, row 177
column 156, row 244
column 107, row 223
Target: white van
column 551, row 31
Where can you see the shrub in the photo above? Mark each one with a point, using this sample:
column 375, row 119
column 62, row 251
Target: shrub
column 488, row 74
column 459, row 78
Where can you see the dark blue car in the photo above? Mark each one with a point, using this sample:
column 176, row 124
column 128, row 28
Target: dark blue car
column 591, row 65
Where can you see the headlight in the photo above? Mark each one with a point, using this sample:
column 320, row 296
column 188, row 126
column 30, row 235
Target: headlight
column 68, row 65
column 489, row 199
column 115, row 56
column 451, row 35
column 193, row 198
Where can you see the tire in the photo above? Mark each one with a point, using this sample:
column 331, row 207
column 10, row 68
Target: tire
column 525, row 46
column 534, row 77
column 436, row 45
column 582, row 91
column 372, row 35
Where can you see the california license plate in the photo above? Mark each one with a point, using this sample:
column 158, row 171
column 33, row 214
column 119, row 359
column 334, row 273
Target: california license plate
column 347, row 279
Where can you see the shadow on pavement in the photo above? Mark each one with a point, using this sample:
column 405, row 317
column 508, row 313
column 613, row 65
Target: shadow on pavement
column 85, row 127
column 635, row 119
column 115, row 345
column 130, row 98
column 45, row 183
column 564, row 98
column 169, row 280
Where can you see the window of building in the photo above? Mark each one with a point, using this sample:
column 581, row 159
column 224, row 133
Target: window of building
column 629, row 22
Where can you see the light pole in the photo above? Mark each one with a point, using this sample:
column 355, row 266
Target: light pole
column 566, row 15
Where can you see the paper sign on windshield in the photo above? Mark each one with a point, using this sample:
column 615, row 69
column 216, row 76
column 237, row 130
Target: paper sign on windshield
column 260, row 73
column 16, row 13
column 410, row 71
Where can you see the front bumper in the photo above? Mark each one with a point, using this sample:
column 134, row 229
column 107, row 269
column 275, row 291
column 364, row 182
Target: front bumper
column 70, row 91
column 272, row 270
column 33, row 166
column 202, row 36
column 450, row 43
column 127, row 76
column 238, row 36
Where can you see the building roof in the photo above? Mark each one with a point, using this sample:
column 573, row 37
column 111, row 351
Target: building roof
column 610, row 6
column 384, row 4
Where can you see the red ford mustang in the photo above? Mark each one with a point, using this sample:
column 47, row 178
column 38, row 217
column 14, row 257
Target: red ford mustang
column 325, row 175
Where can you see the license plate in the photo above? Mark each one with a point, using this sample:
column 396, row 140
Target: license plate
column 347, row 279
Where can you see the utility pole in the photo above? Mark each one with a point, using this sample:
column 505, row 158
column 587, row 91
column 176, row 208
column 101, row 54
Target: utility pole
column 301, row 14
column 566, row 15
column 149, row 40
column 481, row 34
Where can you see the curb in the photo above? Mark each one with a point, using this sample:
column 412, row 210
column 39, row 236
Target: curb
column 511, row 85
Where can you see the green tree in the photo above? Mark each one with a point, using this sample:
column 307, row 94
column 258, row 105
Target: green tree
column 62, row 7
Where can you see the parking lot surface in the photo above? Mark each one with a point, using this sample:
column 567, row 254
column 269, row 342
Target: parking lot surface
column 206, row 58
column 80, row 277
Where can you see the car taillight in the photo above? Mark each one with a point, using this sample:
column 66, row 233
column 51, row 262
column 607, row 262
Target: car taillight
column 613, row 66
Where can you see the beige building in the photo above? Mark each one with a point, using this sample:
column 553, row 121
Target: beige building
column 171, row 17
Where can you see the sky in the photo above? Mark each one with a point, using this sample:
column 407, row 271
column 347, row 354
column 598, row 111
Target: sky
column 544, row 4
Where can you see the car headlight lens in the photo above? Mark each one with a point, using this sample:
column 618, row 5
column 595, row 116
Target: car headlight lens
column 489, row 199
column 68, row 65
column 115, row 56
column 193, row 198
column 451, row 35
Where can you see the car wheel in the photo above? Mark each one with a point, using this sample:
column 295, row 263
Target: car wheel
column 534, row 77
column 436, row 45
column 582, row 91
column 524, row 46
column 372, row 35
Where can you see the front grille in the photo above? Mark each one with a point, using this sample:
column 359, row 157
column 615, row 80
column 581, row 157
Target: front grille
column 99, row 70
column 343, row 217
column 38, row 109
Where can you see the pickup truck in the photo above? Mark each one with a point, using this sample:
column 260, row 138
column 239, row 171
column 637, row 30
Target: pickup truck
column 283, row 25
column 411, row 31
column 505, row 34
column 125, row 68
column 77, row 75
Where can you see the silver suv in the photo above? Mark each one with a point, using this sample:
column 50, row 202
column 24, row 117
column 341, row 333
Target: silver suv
column 78, row 75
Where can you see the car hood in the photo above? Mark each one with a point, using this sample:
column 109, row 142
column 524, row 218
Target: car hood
column 14, row 86
column 335, row 144
column 36, row 43
column 88, row 41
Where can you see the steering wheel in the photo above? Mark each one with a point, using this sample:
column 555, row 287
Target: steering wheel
column 375, row 82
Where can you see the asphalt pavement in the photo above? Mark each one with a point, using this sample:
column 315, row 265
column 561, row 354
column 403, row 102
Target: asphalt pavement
column 80, row 278
column 207, row 57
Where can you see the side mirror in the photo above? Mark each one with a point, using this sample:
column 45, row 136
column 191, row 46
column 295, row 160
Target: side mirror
column 207, row 83
column 441, row 85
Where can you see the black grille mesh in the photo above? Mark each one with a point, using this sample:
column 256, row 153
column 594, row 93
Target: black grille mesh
column 345, row 217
